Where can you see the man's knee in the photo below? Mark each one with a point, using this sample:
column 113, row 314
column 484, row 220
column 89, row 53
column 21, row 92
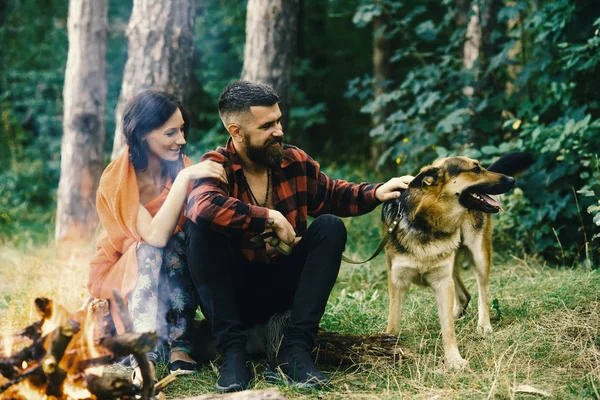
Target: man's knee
column 330, row 228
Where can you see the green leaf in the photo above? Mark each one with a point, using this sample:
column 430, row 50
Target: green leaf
column 586, row 192
column 597, row 219
column 451, row 121
column 426, row 31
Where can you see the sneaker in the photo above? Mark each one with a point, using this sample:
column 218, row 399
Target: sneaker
column 296, row 364
column 235, row 375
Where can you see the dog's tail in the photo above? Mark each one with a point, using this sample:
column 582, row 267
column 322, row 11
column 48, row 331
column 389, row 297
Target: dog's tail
column 512, row 164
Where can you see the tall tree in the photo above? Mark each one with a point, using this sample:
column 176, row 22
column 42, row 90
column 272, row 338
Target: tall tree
column 382, row 52
column 270, row 32
column 160, row 39
column 84, row 96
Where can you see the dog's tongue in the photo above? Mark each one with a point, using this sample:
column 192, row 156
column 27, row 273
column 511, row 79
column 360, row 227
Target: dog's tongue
column 491, row 201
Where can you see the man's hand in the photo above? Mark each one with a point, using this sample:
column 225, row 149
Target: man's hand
column 392, row 188
column 281, row 226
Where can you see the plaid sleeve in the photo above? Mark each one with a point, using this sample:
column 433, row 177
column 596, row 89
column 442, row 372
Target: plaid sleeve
column 210, row 201
column 336, row 196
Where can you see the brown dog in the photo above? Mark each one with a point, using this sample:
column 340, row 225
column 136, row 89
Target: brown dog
column 443, row 217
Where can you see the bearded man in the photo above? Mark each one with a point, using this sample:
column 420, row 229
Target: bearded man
column 272, row 188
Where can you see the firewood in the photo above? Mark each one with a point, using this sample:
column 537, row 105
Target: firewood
column 129, row 343
column 351, row 349
column 34, row 373
column 267, row 394
column 82, row 365
column 110, row 386
column 44, row 307
column 139, row 353
column 60, row 341
column 9, row 366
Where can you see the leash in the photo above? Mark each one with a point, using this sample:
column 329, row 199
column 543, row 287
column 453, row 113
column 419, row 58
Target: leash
column 383, row 242
column 274, row 241
column 286, row 249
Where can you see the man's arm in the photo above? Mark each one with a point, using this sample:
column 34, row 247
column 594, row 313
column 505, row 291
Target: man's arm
column 210, row 201
column 344, row 199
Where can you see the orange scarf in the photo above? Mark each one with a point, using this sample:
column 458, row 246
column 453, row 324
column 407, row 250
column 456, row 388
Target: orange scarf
column 114, row 265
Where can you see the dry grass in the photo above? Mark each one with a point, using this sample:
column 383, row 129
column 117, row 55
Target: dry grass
column 547, row 330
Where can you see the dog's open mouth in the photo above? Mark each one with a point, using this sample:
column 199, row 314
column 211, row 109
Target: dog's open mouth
column 482, row 202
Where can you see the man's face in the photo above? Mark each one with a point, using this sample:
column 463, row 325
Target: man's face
column 263, row 136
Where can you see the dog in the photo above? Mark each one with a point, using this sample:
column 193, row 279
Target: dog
column 444, row 217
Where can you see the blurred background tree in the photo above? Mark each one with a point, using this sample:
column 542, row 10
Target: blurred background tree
column 373, row 83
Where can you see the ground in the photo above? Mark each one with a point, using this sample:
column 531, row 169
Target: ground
column 546, row 329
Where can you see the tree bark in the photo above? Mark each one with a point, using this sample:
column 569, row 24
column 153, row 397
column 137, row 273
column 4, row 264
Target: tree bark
column 160, row 39
column 270, row 32
column 84, row 97
column 382, row 52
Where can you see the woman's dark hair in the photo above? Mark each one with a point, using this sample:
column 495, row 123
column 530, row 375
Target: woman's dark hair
column 149, row 110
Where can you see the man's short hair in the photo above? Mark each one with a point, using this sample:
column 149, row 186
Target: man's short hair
column 239, row 96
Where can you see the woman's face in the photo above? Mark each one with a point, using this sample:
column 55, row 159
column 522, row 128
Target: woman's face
column 165, row 141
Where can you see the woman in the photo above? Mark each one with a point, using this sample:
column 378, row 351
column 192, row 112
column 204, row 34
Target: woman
column 140, row 202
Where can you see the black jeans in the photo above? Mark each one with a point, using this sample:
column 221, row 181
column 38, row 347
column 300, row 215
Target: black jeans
column 236, row 294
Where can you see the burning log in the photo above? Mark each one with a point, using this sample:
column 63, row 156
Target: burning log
column 55, row 374
column 140, row 352
column 9, row 366
column 110, row 386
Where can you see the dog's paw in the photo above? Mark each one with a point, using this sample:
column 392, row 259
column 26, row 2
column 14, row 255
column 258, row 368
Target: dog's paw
column 457, row 364
column 485, row 329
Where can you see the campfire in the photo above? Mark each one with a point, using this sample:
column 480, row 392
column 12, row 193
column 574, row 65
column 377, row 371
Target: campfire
column 63, row 355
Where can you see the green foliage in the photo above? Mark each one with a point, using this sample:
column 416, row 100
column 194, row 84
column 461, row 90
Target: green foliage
column 533, row 88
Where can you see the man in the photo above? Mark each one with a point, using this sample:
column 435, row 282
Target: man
column 272, row 188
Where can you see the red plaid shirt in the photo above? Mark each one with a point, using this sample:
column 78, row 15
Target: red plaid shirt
column 300, row 189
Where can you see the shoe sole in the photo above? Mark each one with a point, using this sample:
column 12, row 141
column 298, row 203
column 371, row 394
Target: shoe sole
column 236, row 387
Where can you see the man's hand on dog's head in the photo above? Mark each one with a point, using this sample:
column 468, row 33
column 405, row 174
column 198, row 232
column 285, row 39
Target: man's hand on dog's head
column 392, row 188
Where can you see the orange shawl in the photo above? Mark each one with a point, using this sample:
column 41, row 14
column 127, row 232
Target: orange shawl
column 114, row 265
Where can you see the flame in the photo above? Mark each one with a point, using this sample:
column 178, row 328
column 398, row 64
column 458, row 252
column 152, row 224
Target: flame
column 7, row 340
column 24, row 365
column 76, row 392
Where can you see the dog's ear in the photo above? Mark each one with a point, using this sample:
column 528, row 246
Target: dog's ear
column 512, row 164
column 427, row 177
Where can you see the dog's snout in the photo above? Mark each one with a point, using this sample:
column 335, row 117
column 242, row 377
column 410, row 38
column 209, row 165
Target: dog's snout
column 510, row 180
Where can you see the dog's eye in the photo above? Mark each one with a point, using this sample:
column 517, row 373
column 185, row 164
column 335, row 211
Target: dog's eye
column 477, row 169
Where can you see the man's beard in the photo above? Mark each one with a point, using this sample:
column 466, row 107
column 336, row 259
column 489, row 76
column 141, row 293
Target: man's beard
column 268, row 155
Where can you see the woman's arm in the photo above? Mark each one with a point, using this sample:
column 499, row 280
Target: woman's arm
column 157, row 230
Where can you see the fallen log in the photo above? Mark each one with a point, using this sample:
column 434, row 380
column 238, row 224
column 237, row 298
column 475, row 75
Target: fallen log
column 267, row 394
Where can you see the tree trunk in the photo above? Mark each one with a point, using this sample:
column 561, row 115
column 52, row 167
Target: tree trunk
column 84, row 96
column 270, row 33
column 160, row 39
column 381, row 73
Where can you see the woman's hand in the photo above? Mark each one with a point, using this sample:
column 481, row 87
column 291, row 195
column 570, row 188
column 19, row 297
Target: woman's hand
column 205, row 169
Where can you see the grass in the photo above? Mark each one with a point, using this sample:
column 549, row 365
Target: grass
column 546, row 326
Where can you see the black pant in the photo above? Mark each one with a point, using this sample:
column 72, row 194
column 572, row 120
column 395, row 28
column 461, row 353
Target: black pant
column 236, row 294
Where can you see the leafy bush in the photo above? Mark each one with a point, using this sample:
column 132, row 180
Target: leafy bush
column 532, row 88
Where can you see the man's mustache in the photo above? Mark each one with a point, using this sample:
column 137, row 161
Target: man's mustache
column 278, row 139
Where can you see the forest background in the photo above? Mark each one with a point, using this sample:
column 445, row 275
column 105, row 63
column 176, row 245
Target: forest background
column 376, row 88
column 379, row 83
